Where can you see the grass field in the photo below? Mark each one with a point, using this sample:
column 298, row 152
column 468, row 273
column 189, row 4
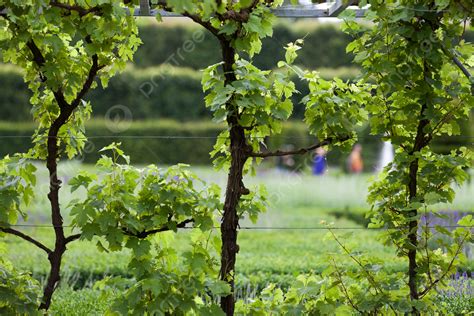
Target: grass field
column 285, row 244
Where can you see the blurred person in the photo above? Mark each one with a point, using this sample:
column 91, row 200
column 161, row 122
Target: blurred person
column 319, row 162
column 355, row 163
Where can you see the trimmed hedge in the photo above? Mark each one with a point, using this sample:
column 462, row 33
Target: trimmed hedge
column 14, row 94
column 163, row 92
column 193, row 143
column 149, row 93
column 192, row 146
column 174, row 91
column 188, row 45
column 145, row 149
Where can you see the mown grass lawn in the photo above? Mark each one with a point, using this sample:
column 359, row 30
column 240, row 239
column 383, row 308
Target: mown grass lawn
column 287, row 240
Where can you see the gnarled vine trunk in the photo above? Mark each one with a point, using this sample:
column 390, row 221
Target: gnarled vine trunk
column 54, row 257
column 66, row 110
column 421, row 141
column 234, row 189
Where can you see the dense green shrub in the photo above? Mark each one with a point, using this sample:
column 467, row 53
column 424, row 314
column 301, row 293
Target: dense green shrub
column 159, row 92
column 175, row 91
column 14, row 95
column 324, row 46
column 84, row 302
column 19, row 292
column 163, row 92
column 145, row 149
column 187, row 45
column 195, row 141
column 171, row 43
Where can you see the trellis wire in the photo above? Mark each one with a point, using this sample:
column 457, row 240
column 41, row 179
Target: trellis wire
column 316, row 11
column 195, row 137
column 273, row 228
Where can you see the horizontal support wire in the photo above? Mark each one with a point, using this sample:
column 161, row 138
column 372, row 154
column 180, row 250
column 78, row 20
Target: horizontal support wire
column 197, row 137
column 316, row 11
column 275, row 228
column 287, row 11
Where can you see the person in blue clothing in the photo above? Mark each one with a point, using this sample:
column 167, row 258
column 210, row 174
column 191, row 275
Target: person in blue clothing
column 319, row 163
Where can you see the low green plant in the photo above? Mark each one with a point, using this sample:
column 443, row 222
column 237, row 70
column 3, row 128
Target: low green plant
column 126, row 206
column 19, row 292
column 81, row 302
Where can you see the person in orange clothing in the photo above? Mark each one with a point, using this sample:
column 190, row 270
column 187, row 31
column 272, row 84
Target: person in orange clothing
column 355, row 163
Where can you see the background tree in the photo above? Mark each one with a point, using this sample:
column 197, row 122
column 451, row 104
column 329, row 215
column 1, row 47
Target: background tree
column 63, row 51
column 62, row 48
column 422, row 90
column 253, row 103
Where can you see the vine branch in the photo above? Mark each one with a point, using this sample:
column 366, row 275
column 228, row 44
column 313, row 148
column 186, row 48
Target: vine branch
column 206, row 24
column 445, row 273
column 80, row 10
column 147, row 233
column 370, row 278
column 39, row 60
column 72, row 238
column 344, row 289
column 461, row 67
column 300, row 151
column 23, row 236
